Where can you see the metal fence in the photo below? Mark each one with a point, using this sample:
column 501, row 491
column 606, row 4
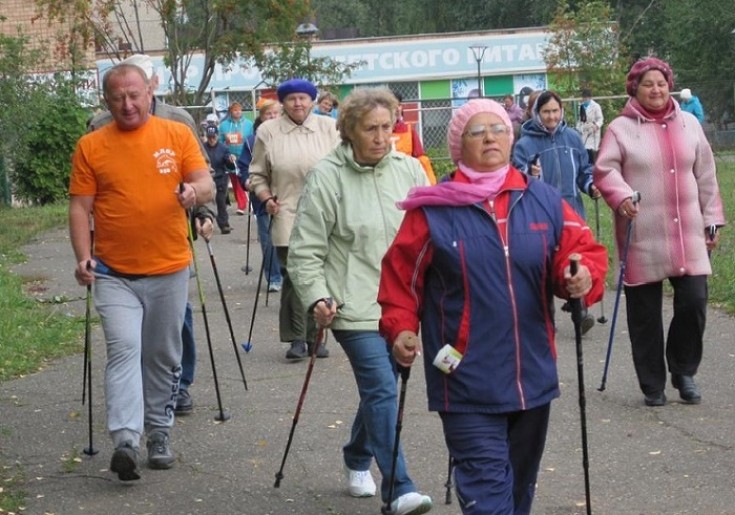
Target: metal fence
column 431, row 118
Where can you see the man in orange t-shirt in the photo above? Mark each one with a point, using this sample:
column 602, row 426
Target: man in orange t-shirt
column 138, row 175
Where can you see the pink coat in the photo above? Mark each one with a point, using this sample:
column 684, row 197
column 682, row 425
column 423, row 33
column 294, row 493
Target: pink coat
column 670, row 163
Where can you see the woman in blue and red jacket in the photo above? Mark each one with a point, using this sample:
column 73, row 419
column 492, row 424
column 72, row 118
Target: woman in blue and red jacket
column 476, row 263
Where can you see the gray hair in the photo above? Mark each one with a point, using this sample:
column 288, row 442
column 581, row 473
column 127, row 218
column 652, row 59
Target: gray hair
column 361, row 101
column 119, row 70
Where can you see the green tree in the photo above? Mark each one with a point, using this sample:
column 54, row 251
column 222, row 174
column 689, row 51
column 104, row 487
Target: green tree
column 50, row 132
column 585, row 52
column 387, row 17
column 701, row 50
column 295, row 60
column 40, row 122
column 222, row 30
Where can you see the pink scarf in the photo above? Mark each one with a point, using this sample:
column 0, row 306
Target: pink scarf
column 657, row 116
column 481, row 186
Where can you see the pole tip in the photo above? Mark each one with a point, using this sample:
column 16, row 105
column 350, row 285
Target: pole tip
column 247, row 346
column 90, row 451
column 222, row 416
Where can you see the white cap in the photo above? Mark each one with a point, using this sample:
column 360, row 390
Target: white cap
column 685, row 94
column 142, row 61
column 211, row 117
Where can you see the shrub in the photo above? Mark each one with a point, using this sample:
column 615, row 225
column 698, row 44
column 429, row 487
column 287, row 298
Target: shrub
column 40, row 173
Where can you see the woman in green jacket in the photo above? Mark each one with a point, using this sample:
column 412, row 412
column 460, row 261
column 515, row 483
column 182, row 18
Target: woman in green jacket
column 345, row 221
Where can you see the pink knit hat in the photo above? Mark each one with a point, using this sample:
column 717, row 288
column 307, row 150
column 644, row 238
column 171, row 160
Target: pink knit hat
column 641, row 67
column 462, row 115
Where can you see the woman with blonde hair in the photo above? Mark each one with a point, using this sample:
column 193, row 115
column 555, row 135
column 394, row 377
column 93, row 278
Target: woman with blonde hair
column 345, row 221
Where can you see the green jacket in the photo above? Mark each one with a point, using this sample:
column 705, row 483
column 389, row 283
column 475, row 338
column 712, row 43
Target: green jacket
column 345, row 221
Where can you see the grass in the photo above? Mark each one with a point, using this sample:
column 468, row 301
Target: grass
column 31, row 333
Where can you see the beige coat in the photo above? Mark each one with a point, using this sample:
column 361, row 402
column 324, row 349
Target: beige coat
column 282, row 155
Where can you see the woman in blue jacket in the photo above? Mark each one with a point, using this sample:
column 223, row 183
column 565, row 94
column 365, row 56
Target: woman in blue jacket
column 551, row 151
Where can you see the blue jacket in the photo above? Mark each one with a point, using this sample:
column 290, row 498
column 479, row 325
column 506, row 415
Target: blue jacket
column 219, row 159
column 234, row 133
column 694, row 106
column 564, row 160
column 482, row 278
column 506, row 324
column 243, row 164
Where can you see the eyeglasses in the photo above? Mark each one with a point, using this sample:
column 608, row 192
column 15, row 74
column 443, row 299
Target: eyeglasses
column 479, row 131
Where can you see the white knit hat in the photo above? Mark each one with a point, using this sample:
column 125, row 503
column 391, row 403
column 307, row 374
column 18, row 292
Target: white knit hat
column 685, row 94
column 142, row 61
column 462, row 116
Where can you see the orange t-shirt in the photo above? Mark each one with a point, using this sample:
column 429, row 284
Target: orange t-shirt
column 140, row 227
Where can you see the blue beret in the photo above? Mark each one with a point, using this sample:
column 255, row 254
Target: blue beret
column 296, row 86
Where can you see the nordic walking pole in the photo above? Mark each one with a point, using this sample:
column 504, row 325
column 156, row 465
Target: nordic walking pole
column 87, row 327
column 711, row 233
column 227, row 312
column 448, row 485
column 405, row 373
column 601, row 319
column 270, row 267
column 222, row 416
column 319, row 338
column 623, row 263
column 89, row 450
column 247, row 243
column 248, row 345
column 576, row 305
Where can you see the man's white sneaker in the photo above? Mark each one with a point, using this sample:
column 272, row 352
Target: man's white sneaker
column 360, row 483
column 412, row 503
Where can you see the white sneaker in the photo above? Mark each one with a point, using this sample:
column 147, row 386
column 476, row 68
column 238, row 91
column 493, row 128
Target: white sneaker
column 412, row 503
column 361, row 483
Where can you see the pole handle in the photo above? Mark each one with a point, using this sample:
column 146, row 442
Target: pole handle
column 405, row 372
column 574, row 260
column 575, row 304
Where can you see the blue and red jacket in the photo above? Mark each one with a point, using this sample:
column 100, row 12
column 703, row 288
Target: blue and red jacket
column 482, row 278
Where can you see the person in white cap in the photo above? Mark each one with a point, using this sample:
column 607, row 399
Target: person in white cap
column 691, row 104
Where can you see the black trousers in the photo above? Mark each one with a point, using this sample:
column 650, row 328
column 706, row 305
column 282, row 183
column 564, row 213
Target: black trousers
column 682, row 348
column 223, row 219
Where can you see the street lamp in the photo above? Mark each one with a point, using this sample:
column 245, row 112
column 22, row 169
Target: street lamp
column 307, row 32
column 479, row 53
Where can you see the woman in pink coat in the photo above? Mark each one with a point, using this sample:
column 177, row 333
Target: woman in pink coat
column 658, row 150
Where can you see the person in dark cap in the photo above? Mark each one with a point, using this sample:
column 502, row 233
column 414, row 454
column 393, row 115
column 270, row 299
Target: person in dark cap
column 222, row 161
column 285, row 149
column 658, row 150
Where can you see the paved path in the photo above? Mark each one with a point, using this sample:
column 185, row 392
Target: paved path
column 672, row 460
